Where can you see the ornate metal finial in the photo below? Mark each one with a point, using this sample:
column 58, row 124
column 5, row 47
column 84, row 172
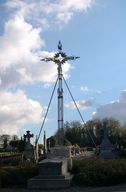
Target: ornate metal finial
column 60, row 46
column 59, row 57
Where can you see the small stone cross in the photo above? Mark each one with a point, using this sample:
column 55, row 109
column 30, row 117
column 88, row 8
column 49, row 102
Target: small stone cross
column 28, row 136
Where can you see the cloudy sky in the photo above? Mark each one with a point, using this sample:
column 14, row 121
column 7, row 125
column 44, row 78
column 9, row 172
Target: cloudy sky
column 30, row 30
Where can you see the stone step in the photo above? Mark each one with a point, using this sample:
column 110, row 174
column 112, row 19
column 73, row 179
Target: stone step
column 50, row 183
column 52, row 176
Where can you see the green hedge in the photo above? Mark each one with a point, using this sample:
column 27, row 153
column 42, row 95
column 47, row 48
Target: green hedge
column 17, row 176
column 95, row 172
column 87, row 171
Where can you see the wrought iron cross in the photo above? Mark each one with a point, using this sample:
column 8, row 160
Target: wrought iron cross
column 60, row 58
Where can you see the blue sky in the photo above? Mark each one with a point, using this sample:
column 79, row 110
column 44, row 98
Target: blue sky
column 29, row 30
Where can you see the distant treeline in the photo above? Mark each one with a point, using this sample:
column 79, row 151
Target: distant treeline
column 85, row 135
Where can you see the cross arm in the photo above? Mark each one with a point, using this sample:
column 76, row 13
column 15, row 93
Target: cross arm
column 47, row 59
column 71, row 58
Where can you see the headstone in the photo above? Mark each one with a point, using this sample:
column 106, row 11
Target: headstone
column 29, row 148
column 106, row 150
column 28, row 136
column 53, row 171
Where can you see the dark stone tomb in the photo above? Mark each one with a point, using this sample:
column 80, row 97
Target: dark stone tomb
column 53, row 171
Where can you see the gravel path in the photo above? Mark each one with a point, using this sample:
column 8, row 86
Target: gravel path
column 118, row 188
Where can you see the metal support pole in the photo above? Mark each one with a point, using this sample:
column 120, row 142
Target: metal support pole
column 60, row 105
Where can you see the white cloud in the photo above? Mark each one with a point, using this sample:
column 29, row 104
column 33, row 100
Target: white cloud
column 87, row 90
column 21, row 42
column 21, row 47
column 60, row 10
column 17, row 110
column 83, row 104
column 84, row 88
column 20, row 55
column 115, row 109
column 19, row 39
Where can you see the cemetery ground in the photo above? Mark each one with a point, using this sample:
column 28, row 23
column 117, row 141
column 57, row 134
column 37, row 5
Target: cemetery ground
column 90, row 175
column 119, row 188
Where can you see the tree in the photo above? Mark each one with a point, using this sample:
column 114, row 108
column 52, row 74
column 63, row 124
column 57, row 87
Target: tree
column 122, row 137
column 51, row 142
column 91, row 133
column 66, row 142
column 21, row 145
column 73, row 132
column 4, row 139
column 114, row 128
column 94, row 132
column 14, row 138
column 14, row 142
column 85, row 135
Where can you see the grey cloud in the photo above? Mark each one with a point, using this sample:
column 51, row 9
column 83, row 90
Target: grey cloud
column 115, row 109
column 82, row 104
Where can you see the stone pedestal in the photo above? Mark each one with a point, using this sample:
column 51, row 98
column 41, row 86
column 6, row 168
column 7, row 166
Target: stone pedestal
column 107, row 150
column 29, row 152
column 60, row 151
column 53, row 171
column 106, row 147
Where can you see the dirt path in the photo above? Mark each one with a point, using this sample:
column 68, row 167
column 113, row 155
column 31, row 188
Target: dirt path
column 118, row 188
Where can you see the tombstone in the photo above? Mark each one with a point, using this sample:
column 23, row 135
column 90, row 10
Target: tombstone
column 106, row 148
column 28, row 153
column 53, row 171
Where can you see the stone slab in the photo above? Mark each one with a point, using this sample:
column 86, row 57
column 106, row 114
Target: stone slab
column 29, row 151
column 55, row 166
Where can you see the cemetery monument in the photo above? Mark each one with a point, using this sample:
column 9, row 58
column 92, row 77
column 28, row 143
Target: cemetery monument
column 107, row 149
column 28, row 153
column 54, row 171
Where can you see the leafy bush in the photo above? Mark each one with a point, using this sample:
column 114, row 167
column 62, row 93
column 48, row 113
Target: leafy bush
column 17, row 176
column 90, row 149
column 95, row 172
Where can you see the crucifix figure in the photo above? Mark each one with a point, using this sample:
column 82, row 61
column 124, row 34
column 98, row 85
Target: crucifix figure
column 60, row 58
column 28, row 136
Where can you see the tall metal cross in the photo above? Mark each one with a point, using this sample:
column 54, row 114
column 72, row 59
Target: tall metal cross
column 60, row 58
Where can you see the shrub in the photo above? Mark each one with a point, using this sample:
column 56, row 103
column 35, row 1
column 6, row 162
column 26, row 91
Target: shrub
column 95, row 172
column 90, row 149
column 17, row 176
